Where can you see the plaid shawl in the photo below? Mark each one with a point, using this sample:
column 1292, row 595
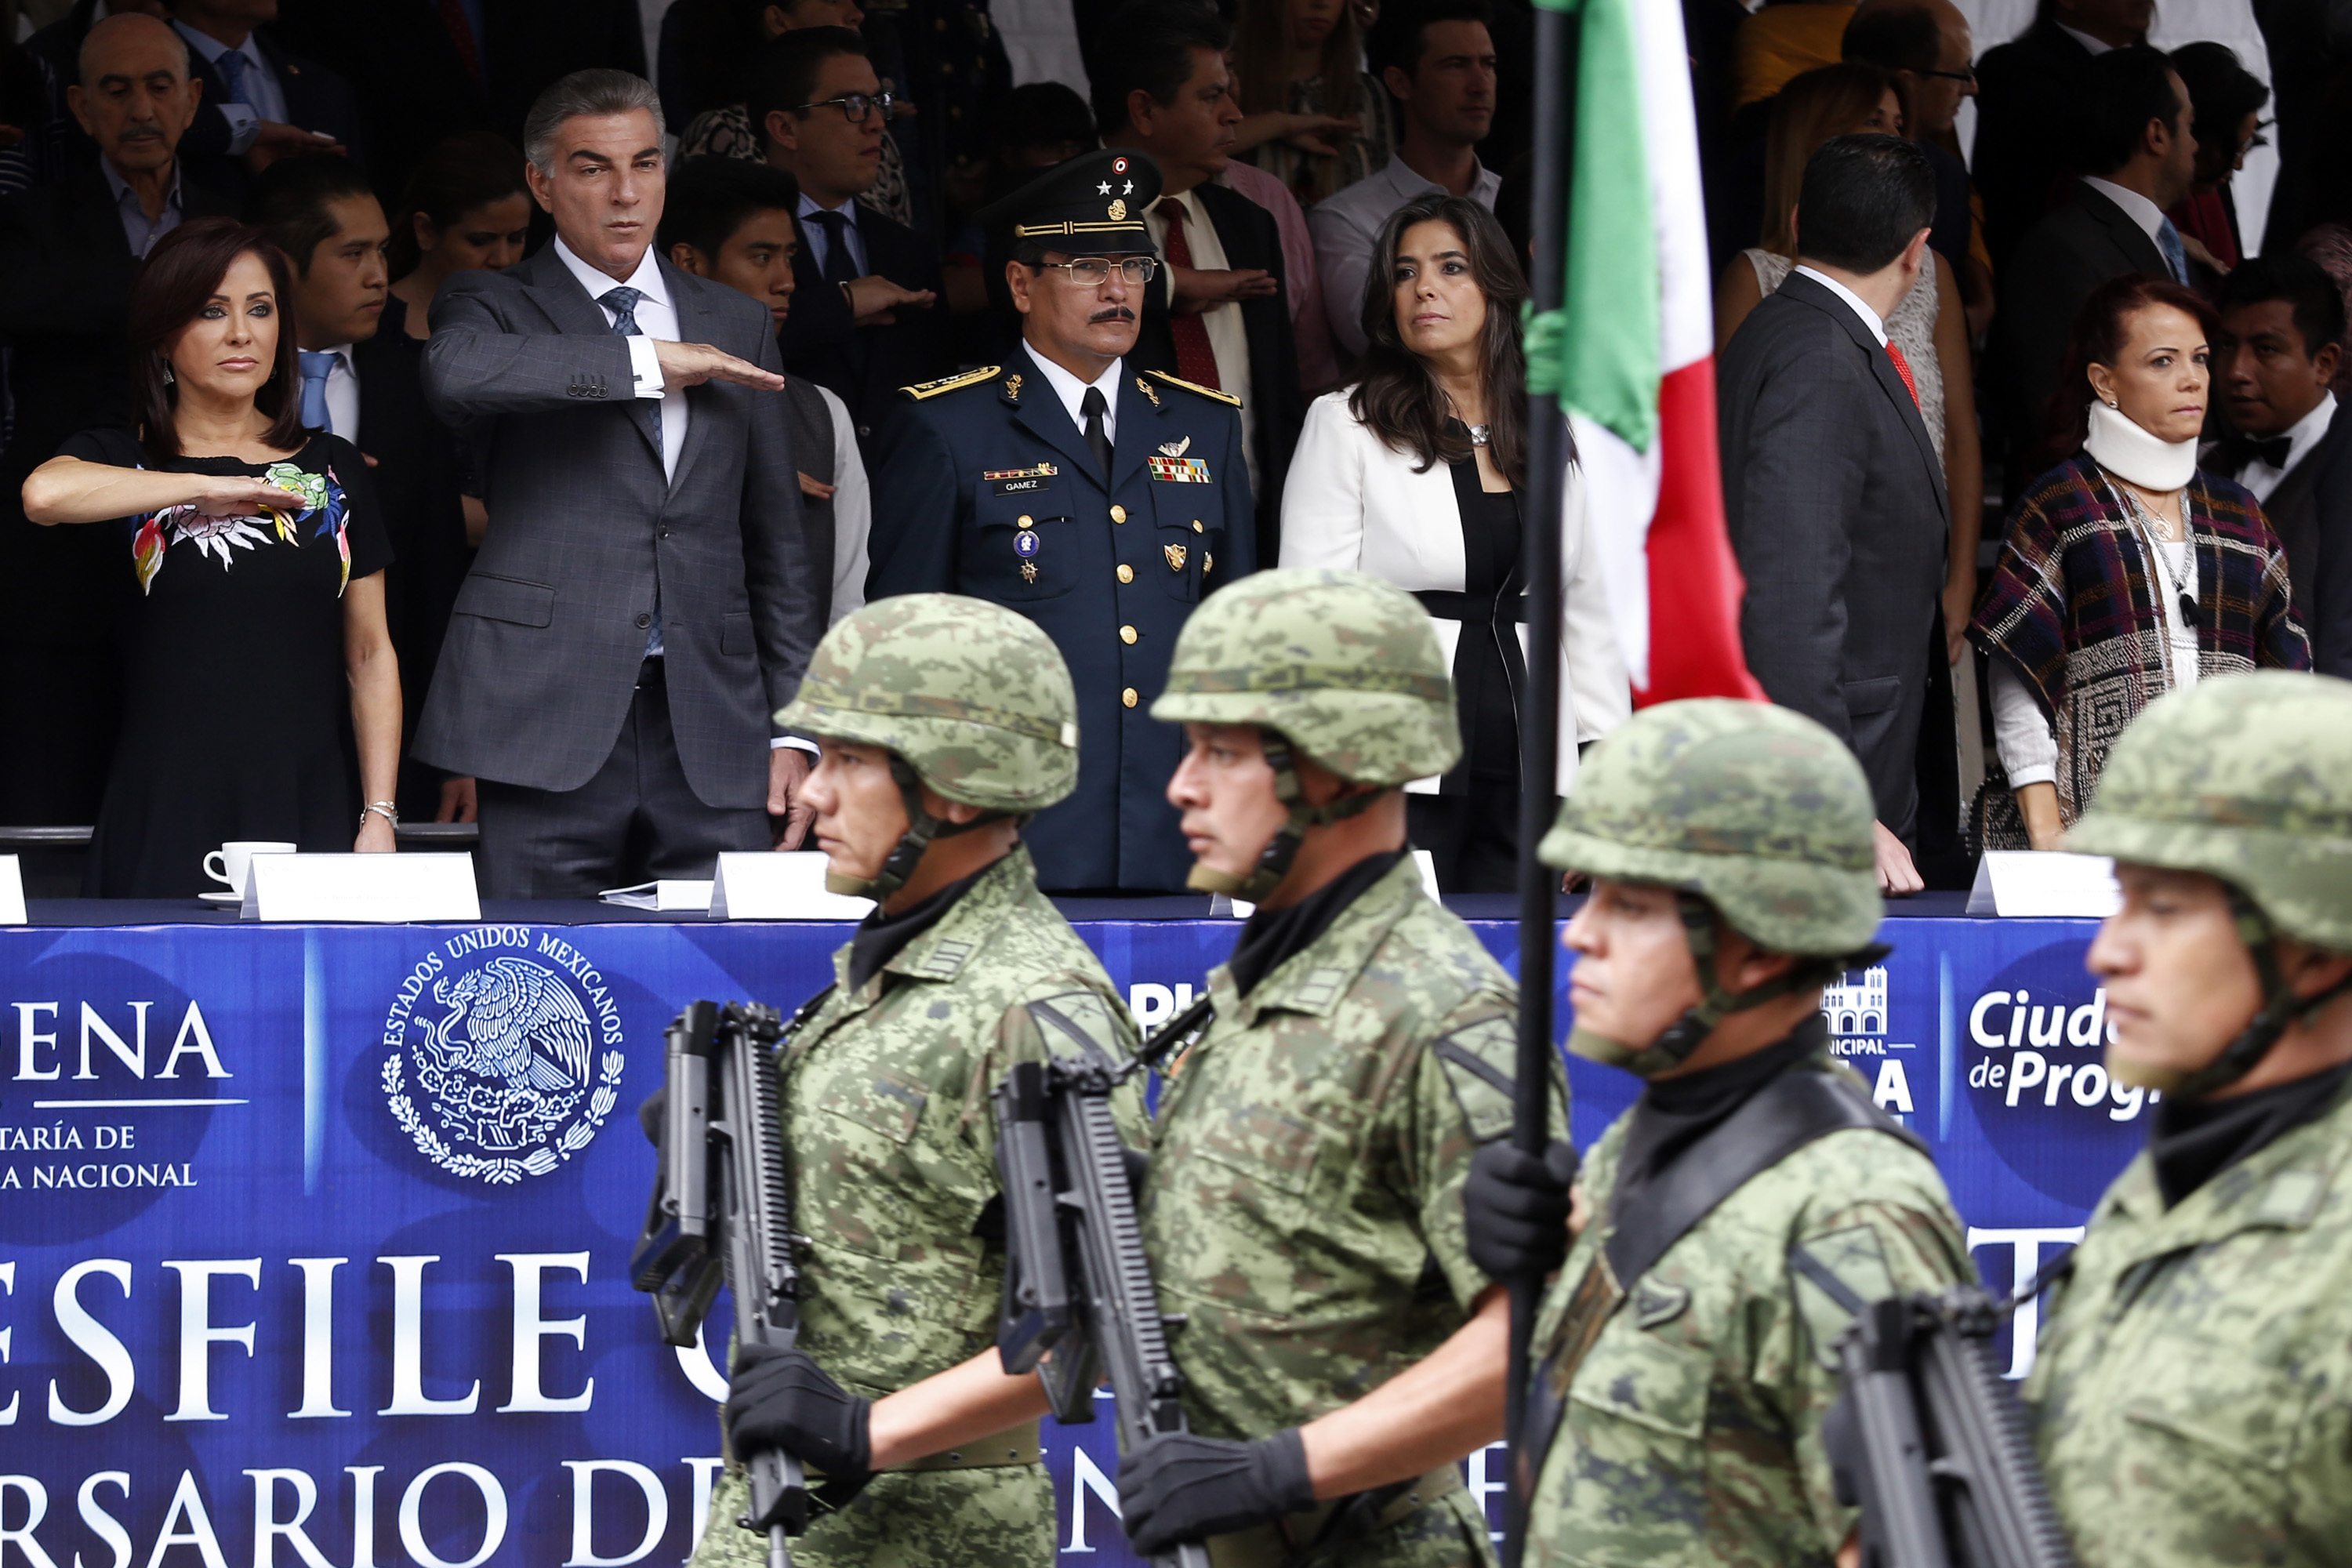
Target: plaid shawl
column 2073, row 606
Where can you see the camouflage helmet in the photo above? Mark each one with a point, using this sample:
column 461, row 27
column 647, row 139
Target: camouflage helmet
column 2247, row 778
column 973, row 696
column 1758, row 810
column 1345, row 667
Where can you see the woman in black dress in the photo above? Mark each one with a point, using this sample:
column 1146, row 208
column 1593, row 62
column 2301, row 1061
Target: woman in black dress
column 262, row 694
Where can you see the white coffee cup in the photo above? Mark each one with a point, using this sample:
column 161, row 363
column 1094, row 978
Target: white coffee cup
column 227, row 864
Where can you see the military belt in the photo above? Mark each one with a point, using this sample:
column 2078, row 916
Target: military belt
column 1317, row 1535
column 1013, row 1446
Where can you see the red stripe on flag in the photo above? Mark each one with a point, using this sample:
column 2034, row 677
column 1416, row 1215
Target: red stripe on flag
column 1694, row 582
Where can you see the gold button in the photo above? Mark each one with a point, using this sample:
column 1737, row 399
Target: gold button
column 1196, row 526
column 1127, row 633
column 1208, row 564
column 1119, row 514
column 1025, row 520
column 1126, row 573
column 1128, row 697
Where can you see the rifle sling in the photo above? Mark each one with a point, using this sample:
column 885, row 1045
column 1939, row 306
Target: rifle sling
column 1779, row 1119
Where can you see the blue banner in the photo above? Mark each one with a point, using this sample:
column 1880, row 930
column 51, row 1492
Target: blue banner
column 314, row 1241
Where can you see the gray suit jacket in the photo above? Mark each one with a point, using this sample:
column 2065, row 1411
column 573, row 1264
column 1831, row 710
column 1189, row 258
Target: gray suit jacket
column 1836, row 509
column 587, row 539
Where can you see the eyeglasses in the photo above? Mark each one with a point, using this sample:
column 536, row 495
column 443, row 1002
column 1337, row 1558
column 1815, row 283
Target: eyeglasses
column 853, row 107
column 1969, row 77
column 1094, row 271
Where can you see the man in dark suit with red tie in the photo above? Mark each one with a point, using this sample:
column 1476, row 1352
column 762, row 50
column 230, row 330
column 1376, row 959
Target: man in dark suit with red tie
column 1832, row 490
column 1220, row 318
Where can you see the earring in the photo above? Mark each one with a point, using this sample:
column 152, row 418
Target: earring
column 168, row 377
column 2111, row 403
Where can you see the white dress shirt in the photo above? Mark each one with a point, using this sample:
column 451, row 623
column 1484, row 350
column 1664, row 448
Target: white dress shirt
column 139, row 231
column 1073, row 392
column 344, row 395
column 2260, row 477
column 818, row 237
column 853, row 511
column 263, row 98
column 1228, row 336
column 657, row 318
column 2146, row 214
column 2096, row 46
column 1870, row 318
column 1347, row 227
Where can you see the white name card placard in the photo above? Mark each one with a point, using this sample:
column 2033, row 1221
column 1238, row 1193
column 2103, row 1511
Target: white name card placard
column 2045, row 885
column 376, row 888
column 11, row 891
column 668, row 896
column 772, row 887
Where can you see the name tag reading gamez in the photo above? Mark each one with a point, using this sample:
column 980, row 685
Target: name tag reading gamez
column 1019, row 481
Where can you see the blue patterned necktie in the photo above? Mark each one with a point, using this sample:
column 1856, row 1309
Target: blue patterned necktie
column 2176, row 255
column 232, row 66
column 622, row 302
column 317, row 366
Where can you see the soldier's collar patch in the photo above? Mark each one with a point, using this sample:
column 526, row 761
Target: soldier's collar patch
column 1144, row 388
column 946, row 957
column 1655, row 1305
column 1013, row 388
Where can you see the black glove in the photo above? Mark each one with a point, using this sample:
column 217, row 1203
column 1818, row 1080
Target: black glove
column 781, row 1399
column 1516, row 1206
column 651, row 1114
column 1177, row 1487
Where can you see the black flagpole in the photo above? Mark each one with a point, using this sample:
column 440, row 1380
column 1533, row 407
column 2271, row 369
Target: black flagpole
column 1539, row 737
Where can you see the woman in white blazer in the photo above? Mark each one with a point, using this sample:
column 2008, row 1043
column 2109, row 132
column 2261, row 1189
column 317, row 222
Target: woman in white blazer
column 1414, row 475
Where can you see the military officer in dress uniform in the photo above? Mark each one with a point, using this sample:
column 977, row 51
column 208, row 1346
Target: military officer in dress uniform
column 2190, row 1388
column 1099, row 502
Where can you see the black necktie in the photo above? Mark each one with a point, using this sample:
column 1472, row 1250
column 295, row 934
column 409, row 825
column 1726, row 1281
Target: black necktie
column 2240, row 450
column 840, row 267
column 1097, row 440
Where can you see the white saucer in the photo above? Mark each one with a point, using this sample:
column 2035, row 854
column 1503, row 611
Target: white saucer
column 222, row 896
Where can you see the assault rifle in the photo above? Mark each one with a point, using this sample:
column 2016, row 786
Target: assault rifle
column 1076, row 1280
column 719, row 1213
column 1929, row 1442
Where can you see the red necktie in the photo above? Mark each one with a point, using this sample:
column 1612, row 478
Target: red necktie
column 1195, row 361
column 1903, row 369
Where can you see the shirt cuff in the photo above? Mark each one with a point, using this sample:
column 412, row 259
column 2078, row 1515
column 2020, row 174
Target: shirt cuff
column 2031, row 774
column 778, row 743
column 244, row 125
column 645, row 365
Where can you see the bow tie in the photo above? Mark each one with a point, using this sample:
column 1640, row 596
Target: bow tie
column 2240, row 450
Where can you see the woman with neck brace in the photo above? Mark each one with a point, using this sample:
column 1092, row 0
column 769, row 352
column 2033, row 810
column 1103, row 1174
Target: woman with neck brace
column 2125, row 570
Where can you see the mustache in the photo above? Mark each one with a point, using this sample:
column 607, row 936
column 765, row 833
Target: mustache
column 1115, row 313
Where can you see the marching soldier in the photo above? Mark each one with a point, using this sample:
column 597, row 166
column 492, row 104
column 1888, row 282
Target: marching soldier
column 2193, row 1381
column 1730, row 1223
column 1100, row 502
column 946, row 722
column 1302, row 1204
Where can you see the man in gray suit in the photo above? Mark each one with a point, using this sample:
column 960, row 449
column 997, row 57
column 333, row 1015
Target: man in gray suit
column 1830, row 488
column 646, row 597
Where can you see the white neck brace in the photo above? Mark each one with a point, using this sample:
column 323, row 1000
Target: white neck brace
column 2131, row 454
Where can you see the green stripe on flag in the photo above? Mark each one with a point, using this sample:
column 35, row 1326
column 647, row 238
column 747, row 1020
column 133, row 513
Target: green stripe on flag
column 1598, row 352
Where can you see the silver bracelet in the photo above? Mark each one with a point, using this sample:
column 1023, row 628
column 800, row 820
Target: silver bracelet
column 388, row 810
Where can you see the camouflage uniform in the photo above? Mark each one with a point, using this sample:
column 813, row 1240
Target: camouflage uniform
column 1689, row 1425
column 2192, row 1385
column 1304, row 1205
column 888, row 1135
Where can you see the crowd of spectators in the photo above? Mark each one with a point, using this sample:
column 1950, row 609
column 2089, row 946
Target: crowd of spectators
column 575, row 331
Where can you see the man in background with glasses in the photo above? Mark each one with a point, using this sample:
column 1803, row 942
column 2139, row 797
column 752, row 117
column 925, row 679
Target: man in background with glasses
column 1100, row 502
column 862, row 320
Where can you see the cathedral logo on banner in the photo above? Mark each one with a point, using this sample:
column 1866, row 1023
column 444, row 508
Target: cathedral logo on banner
column 506, row 1056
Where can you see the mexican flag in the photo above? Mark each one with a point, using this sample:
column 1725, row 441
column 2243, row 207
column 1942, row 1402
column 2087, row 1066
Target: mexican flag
column 1631, row 356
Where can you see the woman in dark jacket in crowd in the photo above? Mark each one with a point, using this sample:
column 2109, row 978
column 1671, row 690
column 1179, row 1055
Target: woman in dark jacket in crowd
column 263, row 698
column 2127, row 571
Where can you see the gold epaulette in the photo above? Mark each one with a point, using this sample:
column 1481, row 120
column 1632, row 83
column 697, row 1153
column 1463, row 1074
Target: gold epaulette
column 1194, row 387
column 923, row 389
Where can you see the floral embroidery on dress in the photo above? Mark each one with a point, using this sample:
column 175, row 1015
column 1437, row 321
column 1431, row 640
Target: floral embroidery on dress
column 322, row 497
